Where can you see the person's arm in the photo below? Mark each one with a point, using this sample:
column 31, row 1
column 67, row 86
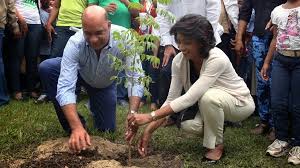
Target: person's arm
column 79, row 138
column 11, row 16
column 164, row 24
column 134, row 12
column 265, row 69
column 52, row 17
column 164, row 27
column 244, row 18
column 22, row 24
column 174, row 92
column 213, row 11
column 93, row 2
column 232, row 9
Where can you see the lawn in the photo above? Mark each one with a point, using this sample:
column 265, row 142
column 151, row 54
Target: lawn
column 24, row 125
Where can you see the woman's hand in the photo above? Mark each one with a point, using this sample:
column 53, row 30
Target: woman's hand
column 264, row 71
column 111, row 8
column 139, row 119
column 144, row 142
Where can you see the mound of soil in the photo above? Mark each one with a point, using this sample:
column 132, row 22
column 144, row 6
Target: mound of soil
column 102, row 153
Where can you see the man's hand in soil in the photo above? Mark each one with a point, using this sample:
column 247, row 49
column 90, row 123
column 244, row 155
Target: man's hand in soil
column 79, row 140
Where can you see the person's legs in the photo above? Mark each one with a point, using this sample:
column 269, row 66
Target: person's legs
column 194, row 126
column 60, row 40
column 260, row 49
column 164, row 77
column 49, row 71
column 3, row 90
column 217, row 106
column 102, row 105
column 164, row 82
column 32, row 44
column 153, row 86
column 294, row 154
column 145, row 65
column 16, row 52
column 226, row 46
column 280, row 88
column 122, row 92
column 284, row 85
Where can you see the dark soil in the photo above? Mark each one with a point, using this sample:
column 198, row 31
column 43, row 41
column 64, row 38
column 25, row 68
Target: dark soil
column 64, row 160
column 68, row 160
column 3, row 164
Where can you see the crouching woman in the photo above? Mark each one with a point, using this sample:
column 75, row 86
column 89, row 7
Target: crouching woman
column 209, row 80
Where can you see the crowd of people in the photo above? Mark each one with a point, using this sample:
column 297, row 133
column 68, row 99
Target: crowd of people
column 219, row 62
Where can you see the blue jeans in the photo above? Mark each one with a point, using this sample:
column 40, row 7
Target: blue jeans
column 245, row 67
column 164, row 78
column 3, row 90
column 153, row 73
column 60, row 40
column 260, row 48
column 285, row 83
column 29, row 46
column 122, row 92
column 102, row 100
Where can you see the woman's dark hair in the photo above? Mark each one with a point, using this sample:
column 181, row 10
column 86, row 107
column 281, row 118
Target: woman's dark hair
column 196, row 27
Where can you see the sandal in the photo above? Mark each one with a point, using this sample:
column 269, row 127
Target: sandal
column 34, row 95
column 213, row 155
column 19, row 96
column 153, row 106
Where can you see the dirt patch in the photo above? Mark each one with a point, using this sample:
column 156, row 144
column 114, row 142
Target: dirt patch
column 102, row 153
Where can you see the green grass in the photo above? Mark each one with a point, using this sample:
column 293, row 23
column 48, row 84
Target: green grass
column 25, row 125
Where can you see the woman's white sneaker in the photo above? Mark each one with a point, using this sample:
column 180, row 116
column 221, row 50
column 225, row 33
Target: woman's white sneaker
column 278, row 148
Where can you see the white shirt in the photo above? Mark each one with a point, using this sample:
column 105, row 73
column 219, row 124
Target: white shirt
column 210, row 9
column 28, row 9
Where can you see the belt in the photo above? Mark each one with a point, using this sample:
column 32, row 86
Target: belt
column 290, row 53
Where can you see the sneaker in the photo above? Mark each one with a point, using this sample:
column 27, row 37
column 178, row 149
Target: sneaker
column 42, row 99
column 294, row 155
column 122, row 102
column 277, row 148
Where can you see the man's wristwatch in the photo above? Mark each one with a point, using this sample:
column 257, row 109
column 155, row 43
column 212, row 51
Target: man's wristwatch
column 153, row 115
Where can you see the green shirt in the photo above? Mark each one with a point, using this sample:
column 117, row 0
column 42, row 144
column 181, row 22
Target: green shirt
column 70, row 12
column 121, row 16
